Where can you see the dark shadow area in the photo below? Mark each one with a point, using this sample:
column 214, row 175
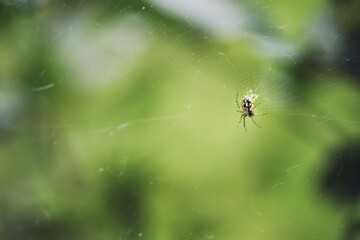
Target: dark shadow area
column 341, row 182
column 125, row 198
column 33, row 225
column 334, row 45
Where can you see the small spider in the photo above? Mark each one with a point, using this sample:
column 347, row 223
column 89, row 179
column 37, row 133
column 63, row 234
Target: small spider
column 247, row 108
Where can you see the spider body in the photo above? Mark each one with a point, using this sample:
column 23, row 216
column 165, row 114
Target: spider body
column 246, row 107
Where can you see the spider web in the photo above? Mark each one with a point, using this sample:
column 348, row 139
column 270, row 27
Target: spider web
column 122, row 115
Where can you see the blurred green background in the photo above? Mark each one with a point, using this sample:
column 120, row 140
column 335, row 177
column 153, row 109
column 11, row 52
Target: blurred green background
column 118, row 119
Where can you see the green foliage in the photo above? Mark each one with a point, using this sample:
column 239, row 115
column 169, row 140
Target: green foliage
column 118, row 121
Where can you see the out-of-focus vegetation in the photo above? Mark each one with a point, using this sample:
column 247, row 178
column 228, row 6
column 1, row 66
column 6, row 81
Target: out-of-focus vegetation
column 118, row 119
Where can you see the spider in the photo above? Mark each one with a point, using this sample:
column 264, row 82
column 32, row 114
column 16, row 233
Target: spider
column 247, row 108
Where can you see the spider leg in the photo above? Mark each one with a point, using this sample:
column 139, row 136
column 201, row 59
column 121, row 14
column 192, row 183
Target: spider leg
column 240, row 120
column 244, row 123
column 237, row 100
column 255, row 122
